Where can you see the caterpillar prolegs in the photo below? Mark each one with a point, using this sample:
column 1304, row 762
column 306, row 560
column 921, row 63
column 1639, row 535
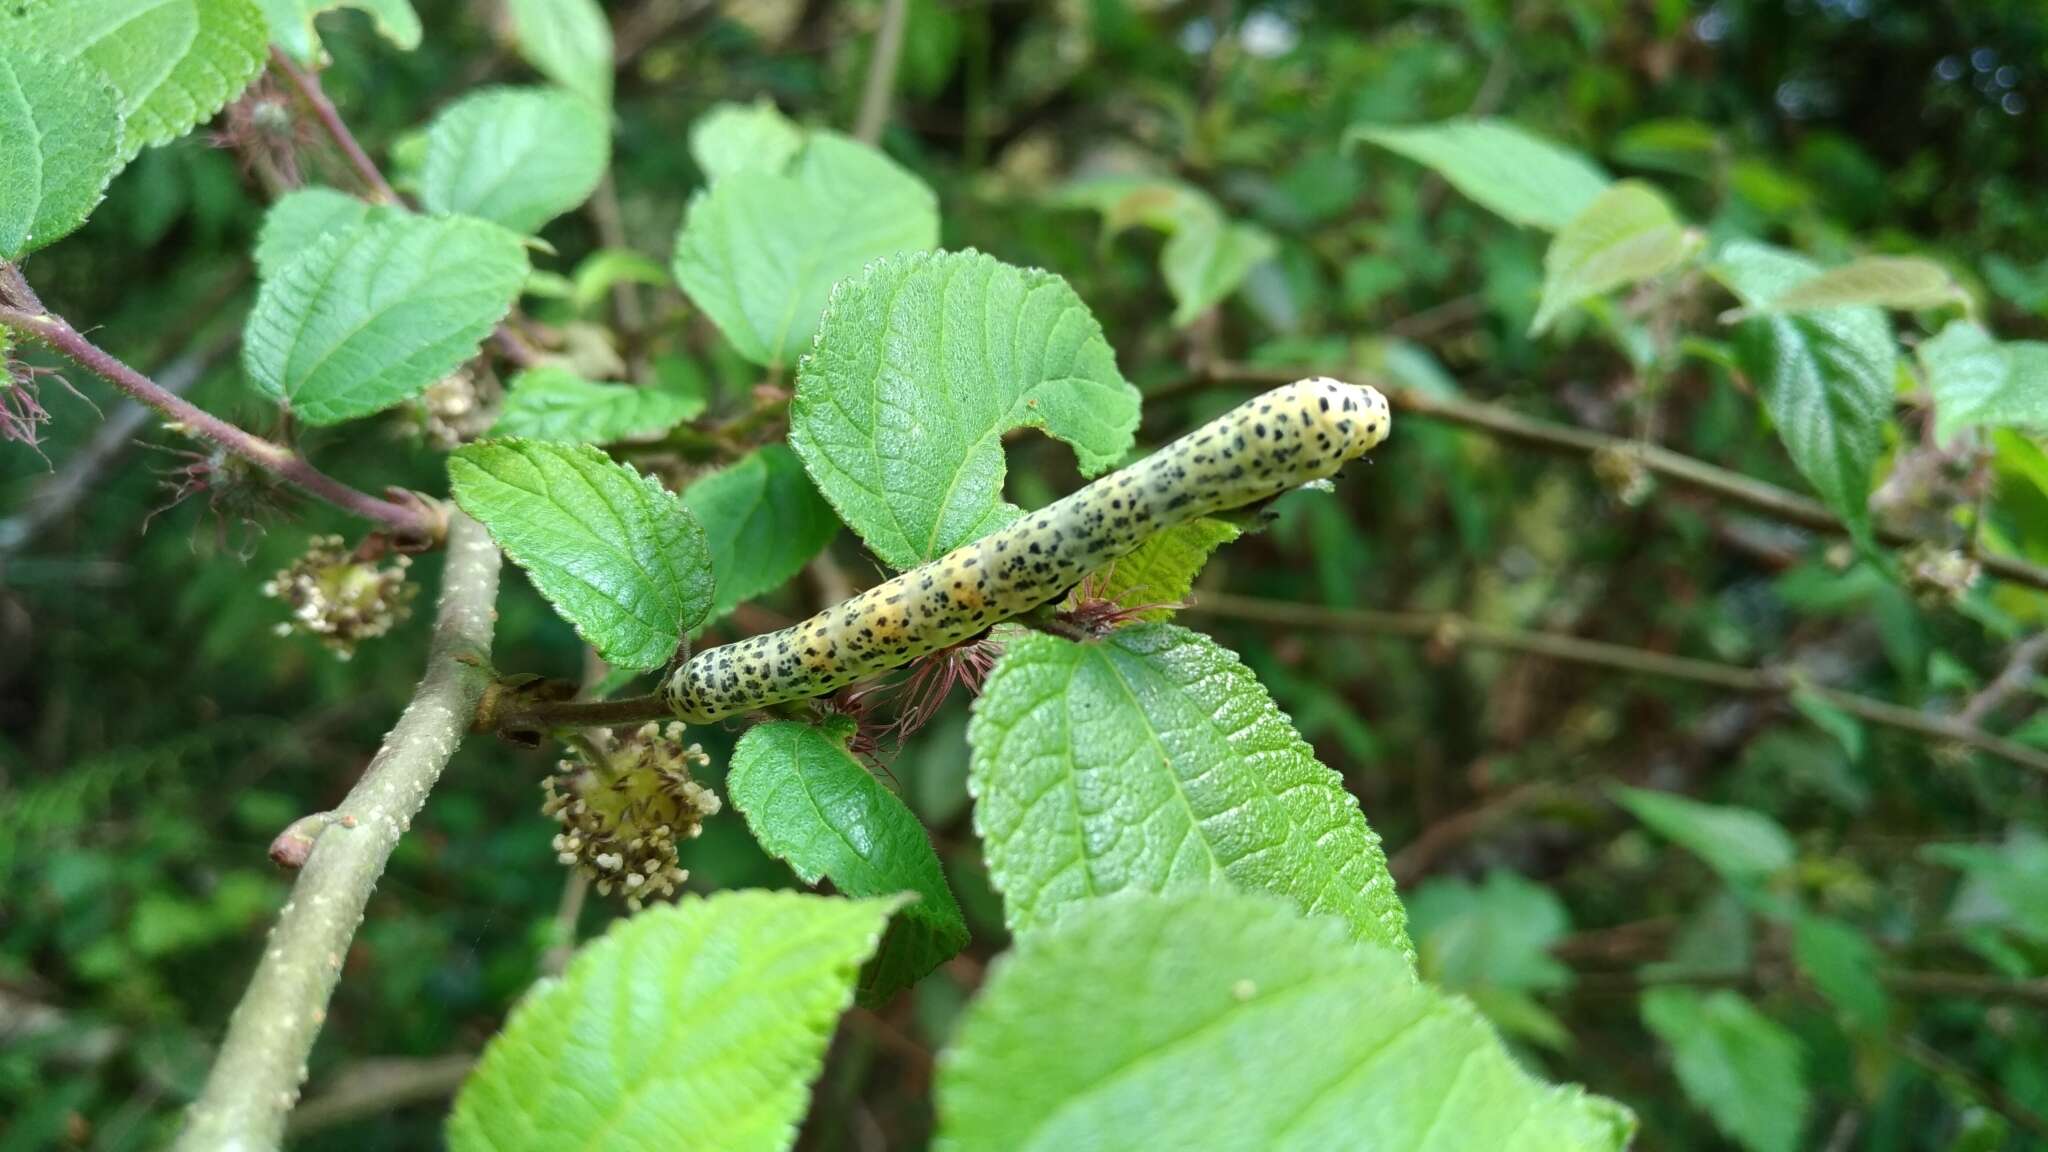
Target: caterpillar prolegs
column 1288, row 437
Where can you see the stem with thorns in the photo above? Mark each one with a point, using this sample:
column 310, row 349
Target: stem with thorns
column 23, row 314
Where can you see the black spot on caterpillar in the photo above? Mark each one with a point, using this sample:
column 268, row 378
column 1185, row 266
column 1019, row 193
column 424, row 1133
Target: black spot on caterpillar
column 1288, row 437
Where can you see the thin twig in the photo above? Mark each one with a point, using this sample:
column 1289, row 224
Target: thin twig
column 2017, row 676
column 1990, row 1092
column 516, row 715
column 308, row 88
column 881, row 83
column 1677, row 468
column 261, row 1065
column 1452, row 629
column 379, row 1087
column 416, row 521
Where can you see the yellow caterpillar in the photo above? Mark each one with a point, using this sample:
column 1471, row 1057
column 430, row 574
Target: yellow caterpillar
column 1288, row 437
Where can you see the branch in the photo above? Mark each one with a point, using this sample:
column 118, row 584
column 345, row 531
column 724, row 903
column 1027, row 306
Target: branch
column 415, row 521
column 57, row 495
column 881, row 83
column 378, row 1087
column 308, row 87
column 2015, row 679
column 262, row 1062
column 1450, row 628
column 513, row 714
column 1720, row 483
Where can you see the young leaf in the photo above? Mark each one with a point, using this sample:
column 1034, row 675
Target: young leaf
column 291, row 23
column 1216, row 1021
column 514, row 156
column 173, row 63
column 1628, row 234
column 553, row 403
column 744, row 138
column 1844, row 965
column 1736, row 1064
column 373, row 315
column 1905, row 283
column 1979, row 382
column 1827, row 376
column 760, row 251
column 694, row 1025
column 810, row 803
column 1154, row 761
column 1163, row 569
column 1739, row 843
column 600, row 271
column 299, row 218
column 616, row 554
column 567, row 41
column 764, row 521
column 1511, row 172
column 1206, row 256
column 921, row 366
column 1206, row 261
column 60, row 143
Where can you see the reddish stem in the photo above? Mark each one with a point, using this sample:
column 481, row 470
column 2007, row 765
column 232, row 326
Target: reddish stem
column 416, row 522
column 307, row 85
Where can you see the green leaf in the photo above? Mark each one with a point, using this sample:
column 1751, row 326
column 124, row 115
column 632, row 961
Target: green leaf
column 1511, row 172
column 1735, row 1063
column 760, row 251
column 514, row 156
column 1628, row 234
column 1163, row 569
column 1681, row 147
column 292, row 23
column 1827, row 376
column 1492, row 935
column 1214, row 1021
column 299, row 218
column 753, row 137
column 1845, row 966
column 697, row 1025
column 1739, row 843
column 1207, row 261
column 2006, row 885
column 1154, row 761
column 1206, row 257
column 809, row 802
column 567, row 41
column 616, row 554
column 921, row 366
column 60, row 143
column 371, row 316
column 1979, row 382
column 764, row 522
column 553, row 403
column 1905, row 283
column 1846, row 729
column 173, row 63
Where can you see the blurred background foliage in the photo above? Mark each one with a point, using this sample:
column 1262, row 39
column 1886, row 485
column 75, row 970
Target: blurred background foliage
column 155, row 734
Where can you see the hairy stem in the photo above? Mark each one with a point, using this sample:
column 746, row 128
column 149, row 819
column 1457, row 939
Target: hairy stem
column 415, row 521
column 261, row 1064
column 308, row 88
column 1674, row 467
column 1452, row 629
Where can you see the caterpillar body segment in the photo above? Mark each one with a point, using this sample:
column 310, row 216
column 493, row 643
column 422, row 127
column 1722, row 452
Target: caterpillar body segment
column 1276, row 442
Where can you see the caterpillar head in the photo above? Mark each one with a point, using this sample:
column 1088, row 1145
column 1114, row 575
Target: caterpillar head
column 1358, row 413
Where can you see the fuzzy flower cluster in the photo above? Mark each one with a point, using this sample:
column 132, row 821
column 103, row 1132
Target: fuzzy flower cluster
column 1939, row 577
column 625, row 805
column 339, row 599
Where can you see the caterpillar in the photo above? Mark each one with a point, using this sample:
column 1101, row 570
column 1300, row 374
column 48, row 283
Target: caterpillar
column 1281, row 440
